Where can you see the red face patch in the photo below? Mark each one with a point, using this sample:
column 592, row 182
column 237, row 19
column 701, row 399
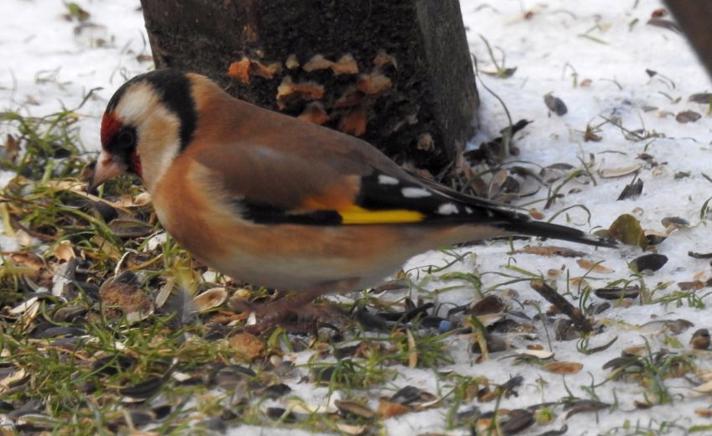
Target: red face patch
column 109, row 126
column 136, row 164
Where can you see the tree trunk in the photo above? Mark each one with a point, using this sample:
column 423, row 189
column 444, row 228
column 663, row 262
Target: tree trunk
column 396, row 73
column 695, row 18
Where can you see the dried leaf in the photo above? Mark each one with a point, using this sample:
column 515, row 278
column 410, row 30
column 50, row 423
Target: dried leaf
column 597, row 267
column 123, row 295
column 388, row 409
column 12, row 148
column 314, row 113
column 536, row 214
column 563, row 367
column 382, row 59
column 350, row 98
column 591, row 135
column 29, row 264
column 240, row 70
column 292, row 62
column 373, row 83
column 626, row 228
column 247, row 346
column 288, row 90
column 354, row 122
column 345, row 65
column 63, row 251
column 316, row 63
column 266, row 71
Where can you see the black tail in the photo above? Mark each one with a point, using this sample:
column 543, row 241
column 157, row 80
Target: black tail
column 486, row 212
column 543, row 229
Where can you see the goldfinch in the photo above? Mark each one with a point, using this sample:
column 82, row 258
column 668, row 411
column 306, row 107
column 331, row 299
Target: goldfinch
column 278, row 202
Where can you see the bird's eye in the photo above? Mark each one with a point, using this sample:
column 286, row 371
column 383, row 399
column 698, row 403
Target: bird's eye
column 126, row 139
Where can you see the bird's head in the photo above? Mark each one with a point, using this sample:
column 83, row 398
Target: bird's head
column 147, row 123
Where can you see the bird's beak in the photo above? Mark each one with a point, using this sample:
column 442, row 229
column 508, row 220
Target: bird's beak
column 106, row 168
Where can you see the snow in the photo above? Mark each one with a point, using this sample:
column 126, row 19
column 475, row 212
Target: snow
column 48, row 64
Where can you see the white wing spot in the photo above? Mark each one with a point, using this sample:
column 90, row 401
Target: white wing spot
column 415, row 193
column 387, row 180
column 489, row 213
column 448, row 209
column 469, row 210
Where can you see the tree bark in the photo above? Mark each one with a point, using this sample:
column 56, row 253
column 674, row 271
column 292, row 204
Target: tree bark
column 695, row 18
column 396, row 73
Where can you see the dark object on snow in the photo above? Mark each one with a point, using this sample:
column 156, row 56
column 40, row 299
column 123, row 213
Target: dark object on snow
column 493, row 150
column 396, row 73
column 555, row 104
column 695, row 17
column 580, row 321
column 617, row 293
column 648, row 262
column 632, row 190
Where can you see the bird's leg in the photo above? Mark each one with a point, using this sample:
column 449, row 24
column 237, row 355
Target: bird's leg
column 272, row 313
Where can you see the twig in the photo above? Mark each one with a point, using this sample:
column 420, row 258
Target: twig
column 580, row 321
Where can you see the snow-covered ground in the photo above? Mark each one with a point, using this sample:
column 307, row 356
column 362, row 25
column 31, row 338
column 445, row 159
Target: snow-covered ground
column 593, row 56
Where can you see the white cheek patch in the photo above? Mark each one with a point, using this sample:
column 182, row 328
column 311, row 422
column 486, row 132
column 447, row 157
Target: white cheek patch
column 157, row 151
column 387, row 180
column 415, row 193
column 136, row 103
column 448, row 209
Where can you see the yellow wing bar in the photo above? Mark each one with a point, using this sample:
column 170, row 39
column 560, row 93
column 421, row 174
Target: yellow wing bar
column 357, row 215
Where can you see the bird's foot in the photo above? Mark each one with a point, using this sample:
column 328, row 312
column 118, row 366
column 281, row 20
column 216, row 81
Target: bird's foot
column 294, row 312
